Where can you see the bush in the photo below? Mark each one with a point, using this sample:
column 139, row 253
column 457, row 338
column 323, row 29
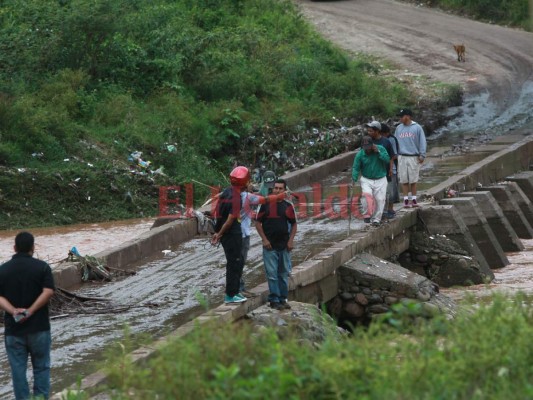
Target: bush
column 484, row 353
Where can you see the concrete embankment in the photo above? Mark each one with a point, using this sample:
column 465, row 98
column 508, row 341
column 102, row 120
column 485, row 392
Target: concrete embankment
column 316, row 281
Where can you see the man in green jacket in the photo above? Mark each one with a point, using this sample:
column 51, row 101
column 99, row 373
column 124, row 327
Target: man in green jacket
column 371, row 165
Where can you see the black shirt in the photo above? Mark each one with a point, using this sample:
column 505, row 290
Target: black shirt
column 383, row 141
column 22, row 280
column 275, row 222
column 229, row 202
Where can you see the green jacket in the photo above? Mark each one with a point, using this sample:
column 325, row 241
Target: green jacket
column 373, row 166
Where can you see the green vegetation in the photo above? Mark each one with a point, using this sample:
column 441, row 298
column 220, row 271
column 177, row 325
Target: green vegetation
column 514, row 13
column 91, row 81
column 485, row 353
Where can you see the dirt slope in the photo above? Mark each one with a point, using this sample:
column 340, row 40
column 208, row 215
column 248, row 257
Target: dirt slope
column 499, row 61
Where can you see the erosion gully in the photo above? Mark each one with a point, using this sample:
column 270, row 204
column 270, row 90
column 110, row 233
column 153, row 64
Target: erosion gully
column 174, row 287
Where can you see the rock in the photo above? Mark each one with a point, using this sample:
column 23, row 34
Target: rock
column 304, row 320
column 378, row 309
column 346, row 296
column 353, row 310
column 361, row 299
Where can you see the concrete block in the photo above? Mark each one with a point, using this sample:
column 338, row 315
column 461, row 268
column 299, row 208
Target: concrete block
column 479, row 229
column 498, row 222
column 66, row 275
column 522, row 200
column 511, row 209
column 525, row 181
column 446, row 220
column 308, row 272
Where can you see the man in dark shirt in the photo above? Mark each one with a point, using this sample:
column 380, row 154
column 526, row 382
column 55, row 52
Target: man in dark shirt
column 26, row 286
column 272, row 222
column 228, row 232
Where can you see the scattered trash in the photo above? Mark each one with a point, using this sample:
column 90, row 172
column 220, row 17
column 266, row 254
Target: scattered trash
column 37, row 155
column 66, row 159
column 92, row 269
column 171, row 148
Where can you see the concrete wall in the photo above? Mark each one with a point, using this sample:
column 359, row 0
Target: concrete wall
column 496, row 167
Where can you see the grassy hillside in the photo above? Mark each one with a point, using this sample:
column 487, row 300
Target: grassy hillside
column 195, row 85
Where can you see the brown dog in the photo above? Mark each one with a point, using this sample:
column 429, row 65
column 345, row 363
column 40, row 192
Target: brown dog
column 460, row 49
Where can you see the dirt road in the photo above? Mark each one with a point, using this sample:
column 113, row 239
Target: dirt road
column 497, row 75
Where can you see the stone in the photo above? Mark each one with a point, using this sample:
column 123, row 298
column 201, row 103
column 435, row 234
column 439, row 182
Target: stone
column 346, row 296
column 353, row 310
column 361, row 299
column 378, row 309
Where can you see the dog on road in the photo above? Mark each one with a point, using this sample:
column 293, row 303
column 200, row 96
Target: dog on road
column 460, row 49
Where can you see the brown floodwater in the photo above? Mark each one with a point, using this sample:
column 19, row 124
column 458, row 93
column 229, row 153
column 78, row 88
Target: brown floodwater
column 513, row 278
column 52, row 244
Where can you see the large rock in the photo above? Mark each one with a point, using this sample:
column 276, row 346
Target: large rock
column 306, row 321
column 382, row 284
column 442, row 260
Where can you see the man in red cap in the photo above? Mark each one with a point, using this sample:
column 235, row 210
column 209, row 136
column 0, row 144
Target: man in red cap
column 228, row 229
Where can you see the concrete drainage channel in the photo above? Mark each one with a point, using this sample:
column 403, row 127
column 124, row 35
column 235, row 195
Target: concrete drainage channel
column 316, row 280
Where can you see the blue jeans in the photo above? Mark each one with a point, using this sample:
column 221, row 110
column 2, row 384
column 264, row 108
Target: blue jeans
column 18, row 348
column 277, row 264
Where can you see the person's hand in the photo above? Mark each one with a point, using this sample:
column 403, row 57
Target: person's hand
column 290, row 245
column 375, row 148
column 421, row 160
column 21, row 312
column 267, row 245
column 215, row 239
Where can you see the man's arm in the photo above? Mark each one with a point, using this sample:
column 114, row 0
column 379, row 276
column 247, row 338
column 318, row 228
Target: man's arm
column 7, row 306
column 383, row 154
column 290, row 243
column 216, row 237
column 266, row 243
column 422, row 145
column 356, row 168
column 41, row 301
